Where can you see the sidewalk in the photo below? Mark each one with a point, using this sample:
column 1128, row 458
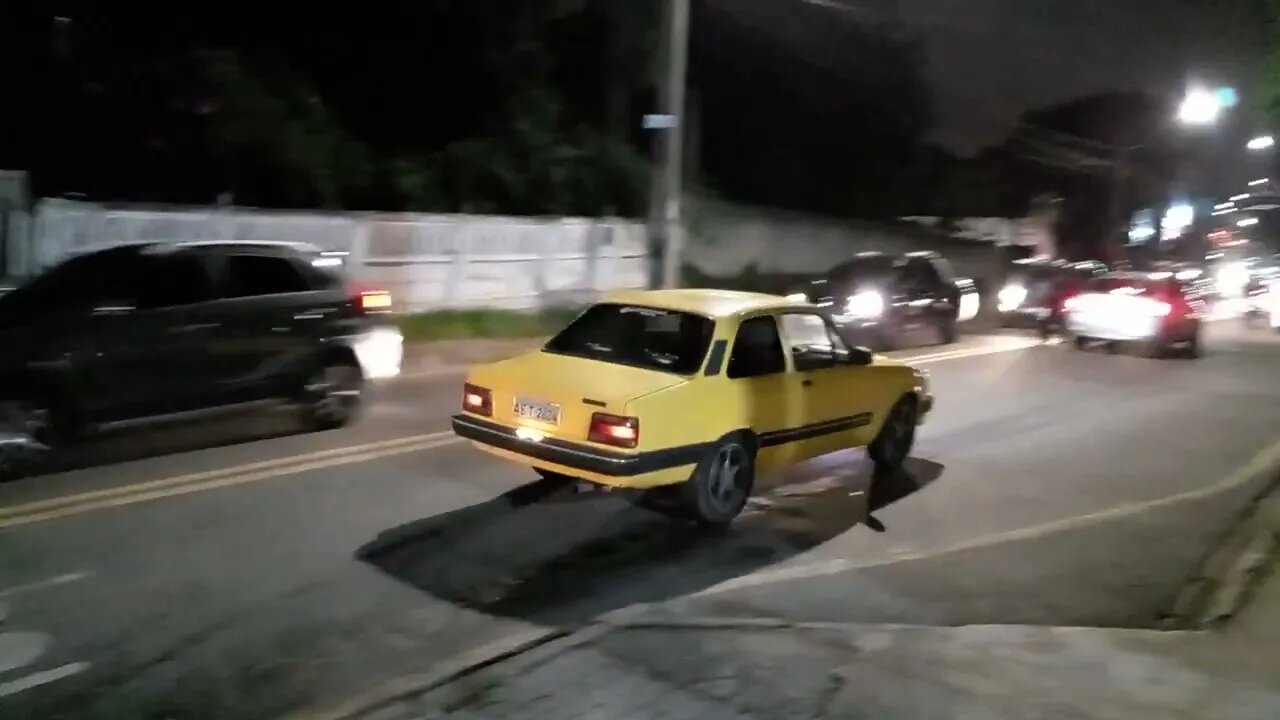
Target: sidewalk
column 648, row 669
column 656, row 663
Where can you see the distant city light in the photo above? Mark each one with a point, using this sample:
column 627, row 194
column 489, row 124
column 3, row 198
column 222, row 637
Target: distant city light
column 1259, row 181
column 1247, row 222
column 1262, row 142
column 1241, row 196
column 1224, row 206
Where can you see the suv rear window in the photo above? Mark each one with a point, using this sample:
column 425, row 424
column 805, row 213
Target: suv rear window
column 645, row 337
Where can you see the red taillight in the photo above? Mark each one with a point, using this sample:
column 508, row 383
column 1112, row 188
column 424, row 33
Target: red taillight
column 615, row 430
column 477, row 399
column 372, row 300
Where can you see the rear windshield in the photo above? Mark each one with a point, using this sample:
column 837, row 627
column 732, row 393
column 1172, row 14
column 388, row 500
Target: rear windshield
column 1136, row 285
column 1033, row 274
column 644, row 337
column 869, row 268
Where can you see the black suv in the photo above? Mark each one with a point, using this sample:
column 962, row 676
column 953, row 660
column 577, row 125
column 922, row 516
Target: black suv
column 877, row 298
column 149, row 332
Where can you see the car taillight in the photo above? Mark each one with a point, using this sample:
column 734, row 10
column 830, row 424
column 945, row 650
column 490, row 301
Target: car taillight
column 477, row 399
column 616, row 430
column 372, row 300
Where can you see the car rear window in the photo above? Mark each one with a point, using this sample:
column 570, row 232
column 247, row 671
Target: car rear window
column 645, row 337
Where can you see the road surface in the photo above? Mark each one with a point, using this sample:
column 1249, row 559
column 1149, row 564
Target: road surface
column 243, row 570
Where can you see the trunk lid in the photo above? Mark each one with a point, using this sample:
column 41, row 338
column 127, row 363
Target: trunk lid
column 576, row 387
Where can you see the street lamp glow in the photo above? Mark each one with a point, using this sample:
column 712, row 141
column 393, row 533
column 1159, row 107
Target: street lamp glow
column 1259, row 181
column 1224, row 206
column 1262, row 142
column 1200, row 107
column 1241, row 196
column 1247, row 222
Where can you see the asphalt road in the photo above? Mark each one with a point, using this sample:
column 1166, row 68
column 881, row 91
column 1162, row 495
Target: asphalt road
column 239, row 570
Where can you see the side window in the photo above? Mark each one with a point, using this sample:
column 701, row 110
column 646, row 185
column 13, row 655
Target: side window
column 258, row 275
column 172, row 280
column 757, row 349
column 808, row 331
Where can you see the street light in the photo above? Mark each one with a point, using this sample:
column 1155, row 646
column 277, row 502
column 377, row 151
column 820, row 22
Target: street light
column 1259, row 181
column 1262, row 142
column 1247, row 222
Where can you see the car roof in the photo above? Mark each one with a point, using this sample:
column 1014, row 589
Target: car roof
column 712, row 303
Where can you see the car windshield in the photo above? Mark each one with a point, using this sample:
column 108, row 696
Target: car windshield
column 645, row 337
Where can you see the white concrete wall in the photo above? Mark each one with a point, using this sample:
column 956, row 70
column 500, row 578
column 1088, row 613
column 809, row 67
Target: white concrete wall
column 429, row 262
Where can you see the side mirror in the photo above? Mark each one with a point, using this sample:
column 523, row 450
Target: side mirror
column 811, row 358
column 859, row 355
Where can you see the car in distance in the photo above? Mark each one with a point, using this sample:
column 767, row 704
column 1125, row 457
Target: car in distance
column 689, row 394
column 879, row 299
column 1035, row 291
column 1156, row 311
column 151, row 332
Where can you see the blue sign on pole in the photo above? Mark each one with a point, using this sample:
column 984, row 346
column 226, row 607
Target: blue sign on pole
column 1227, row 97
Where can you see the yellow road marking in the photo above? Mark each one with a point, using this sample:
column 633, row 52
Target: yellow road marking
column 67, row 505
column 42, row 510
column 1265, row 461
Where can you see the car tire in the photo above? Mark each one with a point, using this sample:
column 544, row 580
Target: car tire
column 1192, row 349
column 38, row 418
column 333, row 395
column 947, row 331
column 718, row 490
column 892, row 445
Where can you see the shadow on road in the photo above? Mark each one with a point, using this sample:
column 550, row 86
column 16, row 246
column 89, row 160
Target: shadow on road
column 131, row 445
column 543, row 552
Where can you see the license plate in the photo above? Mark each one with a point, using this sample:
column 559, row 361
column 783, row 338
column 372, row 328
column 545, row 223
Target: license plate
column 537, row 410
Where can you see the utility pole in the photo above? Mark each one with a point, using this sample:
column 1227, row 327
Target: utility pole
column 666, row 232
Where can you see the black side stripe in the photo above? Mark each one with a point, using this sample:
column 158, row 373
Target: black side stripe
column 808, row 432
column 716, row 361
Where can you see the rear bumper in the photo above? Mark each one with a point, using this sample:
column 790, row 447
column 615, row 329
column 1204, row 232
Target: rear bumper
column 576, row 456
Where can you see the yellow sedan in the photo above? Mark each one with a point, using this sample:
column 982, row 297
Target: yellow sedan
column 695, row 392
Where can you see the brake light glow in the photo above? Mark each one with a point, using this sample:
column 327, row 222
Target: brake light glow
column 615, row 430
column 374, row 300
column 477, row 399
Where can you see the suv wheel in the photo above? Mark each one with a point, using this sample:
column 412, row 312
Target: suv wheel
column 718, row 490
column 333, row 395
column 28, row 435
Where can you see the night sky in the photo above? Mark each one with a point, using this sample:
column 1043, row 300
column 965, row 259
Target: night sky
column 991, row 59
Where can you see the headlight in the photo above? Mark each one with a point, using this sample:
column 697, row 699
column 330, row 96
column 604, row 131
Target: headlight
column 1232, row 278
column 1011, row 297
column 866, row 304
column 798, row 297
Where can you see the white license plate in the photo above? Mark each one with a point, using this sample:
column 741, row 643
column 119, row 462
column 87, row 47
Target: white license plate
column 537, row 410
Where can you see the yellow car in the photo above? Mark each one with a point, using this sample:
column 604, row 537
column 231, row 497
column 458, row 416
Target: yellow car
column 694, row 392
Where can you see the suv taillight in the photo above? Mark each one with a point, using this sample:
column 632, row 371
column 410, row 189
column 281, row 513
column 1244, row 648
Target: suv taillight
column 477, row 399
column 372, row 300
column 615, row 430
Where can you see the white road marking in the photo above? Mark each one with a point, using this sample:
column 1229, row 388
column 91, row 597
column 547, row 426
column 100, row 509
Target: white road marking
column 19, row 649
column 44, row 677
column 1264, row 461
column 41, row 584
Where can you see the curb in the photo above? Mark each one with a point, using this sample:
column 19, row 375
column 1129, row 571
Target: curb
column 1222, row 587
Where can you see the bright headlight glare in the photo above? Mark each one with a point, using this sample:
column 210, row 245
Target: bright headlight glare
column 1011, row 297
column 867, row 303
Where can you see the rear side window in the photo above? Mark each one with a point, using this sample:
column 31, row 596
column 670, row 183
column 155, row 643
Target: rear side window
column 645, row 337
column 173, row 279
column 258, row 275
column 757, row 349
